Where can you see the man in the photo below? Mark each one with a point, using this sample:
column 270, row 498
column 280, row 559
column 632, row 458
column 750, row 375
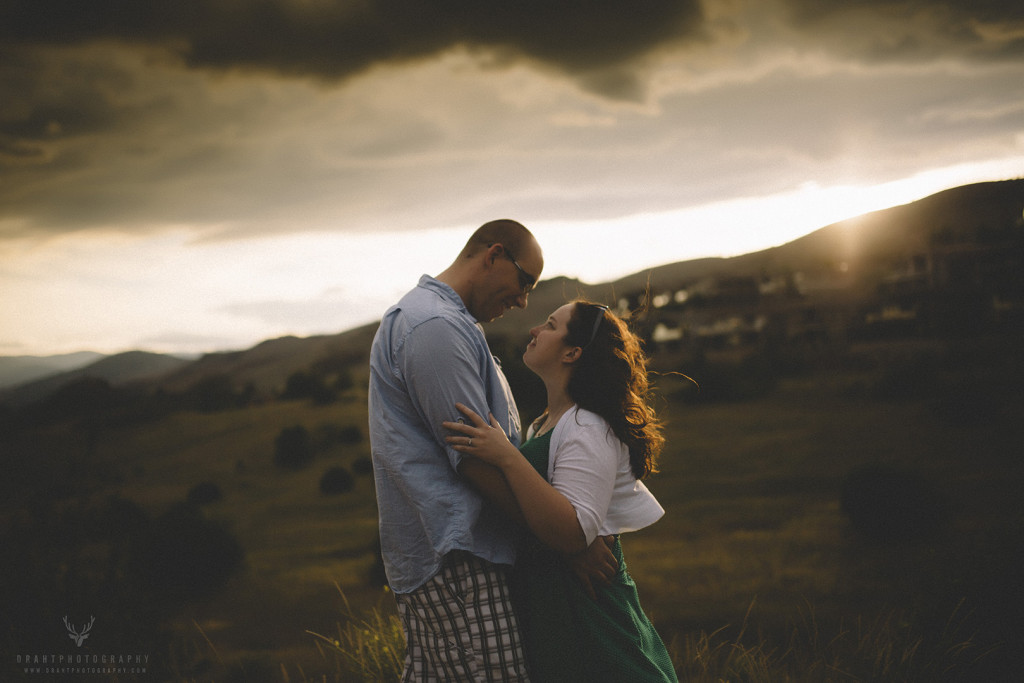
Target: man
column 446, row 550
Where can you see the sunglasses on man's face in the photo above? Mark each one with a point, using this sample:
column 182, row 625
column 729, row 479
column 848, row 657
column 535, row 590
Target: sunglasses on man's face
column 526, row 281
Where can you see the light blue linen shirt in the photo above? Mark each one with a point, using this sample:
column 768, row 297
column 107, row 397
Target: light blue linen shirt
column 428, row 354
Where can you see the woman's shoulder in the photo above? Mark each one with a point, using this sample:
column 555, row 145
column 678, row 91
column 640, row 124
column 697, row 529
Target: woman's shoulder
column 580, row 417
column 579, row 422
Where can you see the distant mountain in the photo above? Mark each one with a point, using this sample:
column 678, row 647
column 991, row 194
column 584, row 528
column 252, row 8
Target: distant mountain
column 267, row 366
column 118, row 369
column 15, row 370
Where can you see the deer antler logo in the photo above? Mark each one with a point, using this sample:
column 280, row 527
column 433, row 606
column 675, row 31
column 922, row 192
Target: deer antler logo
column 74, row 635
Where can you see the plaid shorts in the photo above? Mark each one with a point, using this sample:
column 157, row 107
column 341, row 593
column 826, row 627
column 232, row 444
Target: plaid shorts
column 459, row 625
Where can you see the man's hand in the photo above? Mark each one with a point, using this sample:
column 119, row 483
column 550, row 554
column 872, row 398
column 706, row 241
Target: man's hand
column 596, row 565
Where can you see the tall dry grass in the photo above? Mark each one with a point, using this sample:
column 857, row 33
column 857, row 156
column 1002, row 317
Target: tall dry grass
column 369, row 646
column 887, row 649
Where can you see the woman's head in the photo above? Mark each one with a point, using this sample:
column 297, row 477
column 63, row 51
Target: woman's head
column 609, row 377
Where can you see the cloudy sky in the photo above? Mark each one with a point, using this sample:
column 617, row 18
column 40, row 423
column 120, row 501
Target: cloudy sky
column 193, row 175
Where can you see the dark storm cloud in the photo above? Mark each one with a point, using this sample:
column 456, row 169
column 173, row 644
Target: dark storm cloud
column 338, row 39
column 100, row 124
column 78, row 117
column 897, row 30
column 985, row 10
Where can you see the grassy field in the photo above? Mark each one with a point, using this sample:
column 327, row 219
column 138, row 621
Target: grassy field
column 755, row 573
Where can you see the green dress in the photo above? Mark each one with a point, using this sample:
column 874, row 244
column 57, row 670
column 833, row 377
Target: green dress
column 567, row 635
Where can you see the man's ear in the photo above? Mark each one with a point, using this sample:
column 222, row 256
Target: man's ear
column 493, row 252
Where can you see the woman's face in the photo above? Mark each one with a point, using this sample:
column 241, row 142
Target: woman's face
column 547, row 349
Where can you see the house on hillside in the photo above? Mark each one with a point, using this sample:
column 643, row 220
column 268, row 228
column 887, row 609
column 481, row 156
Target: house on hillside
column 720, row 313
column 952, row 287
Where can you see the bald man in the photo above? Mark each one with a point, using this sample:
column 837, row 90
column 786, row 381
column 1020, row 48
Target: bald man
column 446, row 549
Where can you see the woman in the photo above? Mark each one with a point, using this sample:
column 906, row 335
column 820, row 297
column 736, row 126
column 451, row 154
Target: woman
column 580, row 479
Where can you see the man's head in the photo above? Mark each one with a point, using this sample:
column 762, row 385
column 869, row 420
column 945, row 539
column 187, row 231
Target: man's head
column 496, row 270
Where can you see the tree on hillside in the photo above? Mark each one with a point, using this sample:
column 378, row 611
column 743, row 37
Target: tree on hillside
column 293, row 448
column 336, row 480
column 213, row 394
column 303, row 385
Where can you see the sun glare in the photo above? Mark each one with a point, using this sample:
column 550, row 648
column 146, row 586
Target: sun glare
column 115, row 290
column 600, row 251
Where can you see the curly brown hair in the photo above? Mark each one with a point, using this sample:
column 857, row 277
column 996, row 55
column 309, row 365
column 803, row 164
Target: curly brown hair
column 610, row 379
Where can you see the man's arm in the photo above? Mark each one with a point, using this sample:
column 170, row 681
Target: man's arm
column 595, row 566
column 442, row 369
column 491, row 484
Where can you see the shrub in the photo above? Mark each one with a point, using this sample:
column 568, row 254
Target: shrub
column 362, row 466
column 186, row 556
column 301, row 385
column 293, row 448
column 212, row 394
column 350, row 435
column 336, row 480
column 343, row 381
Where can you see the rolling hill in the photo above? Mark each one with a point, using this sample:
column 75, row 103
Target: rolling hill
column 859, row 252
column 119, row 369
column 17, row 370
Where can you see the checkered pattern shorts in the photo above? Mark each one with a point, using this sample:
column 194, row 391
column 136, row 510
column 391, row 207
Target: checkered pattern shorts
column 459, row 626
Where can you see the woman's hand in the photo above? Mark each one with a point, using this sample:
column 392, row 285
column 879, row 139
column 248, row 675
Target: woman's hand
column 548, row 513
column 481, row 440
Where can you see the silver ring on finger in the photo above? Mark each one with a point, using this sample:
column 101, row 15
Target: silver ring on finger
column 469, row 441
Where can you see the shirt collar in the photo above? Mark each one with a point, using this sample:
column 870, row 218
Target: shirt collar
column 446, row 292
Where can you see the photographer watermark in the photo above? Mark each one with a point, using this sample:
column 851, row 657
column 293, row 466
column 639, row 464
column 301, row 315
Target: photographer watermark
column 79, row 636
column 82, row 662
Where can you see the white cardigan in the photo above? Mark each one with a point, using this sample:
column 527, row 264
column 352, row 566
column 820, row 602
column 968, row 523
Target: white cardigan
column 590, row 466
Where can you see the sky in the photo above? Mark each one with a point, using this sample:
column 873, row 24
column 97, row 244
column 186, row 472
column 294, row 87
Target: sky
column 190, row 176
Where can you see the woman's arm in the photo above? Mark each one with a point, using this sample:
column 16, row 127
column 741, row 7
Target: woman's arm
column 548, row 513
column 489, row 481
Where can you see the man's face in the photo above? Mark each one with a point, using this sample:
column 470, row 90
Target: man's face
column 508, row 284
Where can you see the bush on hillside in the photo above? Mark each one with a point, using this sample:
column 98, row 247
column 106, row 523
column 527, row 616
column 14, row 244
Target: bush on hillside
column 293, row 448
column 185, row 556
column 350, row 435
column 213, row 394
column 304, row 385
column 336, row 480
column 362, row 466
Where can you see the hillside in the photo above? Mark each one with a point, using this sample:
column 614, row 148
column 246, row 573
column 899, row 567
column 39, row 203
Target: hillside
column 863, row 242
column 852, row 256
column 15, row 370
column 856, row 254
column 267, row 366
column 122, row 368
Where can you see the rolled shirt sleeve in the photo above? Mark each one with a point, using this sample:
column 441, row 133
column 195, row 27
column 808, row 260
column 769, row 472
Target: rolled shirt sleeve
column 443, row 366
